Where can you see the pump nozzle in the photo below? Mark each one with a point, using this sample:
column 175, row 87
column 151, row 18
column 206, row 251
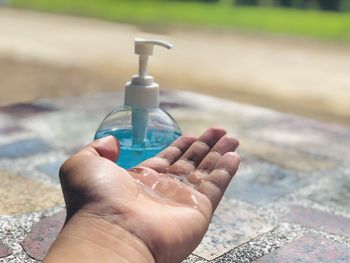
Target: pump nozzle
column 144, row 48
column 142, row 91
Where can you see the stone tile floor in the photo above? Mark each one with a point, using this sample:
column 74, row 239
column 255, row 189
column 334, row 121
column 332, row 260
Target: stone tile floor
column 289, row 201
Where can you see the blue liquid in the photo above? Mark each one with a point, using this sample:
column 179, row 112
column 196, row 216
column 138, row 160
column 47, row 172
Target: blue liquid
column 131, row 154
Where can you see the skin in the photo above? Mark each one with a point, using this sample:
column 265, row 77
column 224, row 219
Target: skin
column 156, row 212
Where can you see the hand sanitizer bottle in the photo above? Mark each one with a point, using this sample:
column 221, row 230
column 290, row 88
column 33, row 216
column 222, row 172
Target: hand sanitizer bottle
column 142, row 128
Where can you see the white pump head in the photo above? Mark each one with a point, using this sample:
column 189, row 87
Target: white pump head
column 142, row 91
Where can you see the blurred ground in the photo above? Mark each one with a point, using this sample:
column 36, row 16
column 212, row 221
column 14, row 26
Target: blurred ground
column 45, row 55
column 289, row 201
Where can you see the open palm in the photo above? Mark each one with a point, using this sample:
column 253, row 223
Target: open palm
column 166, row 201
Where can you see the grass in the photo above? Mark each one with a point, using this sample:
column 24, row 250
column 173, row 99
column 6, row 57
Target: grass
column 312, row 24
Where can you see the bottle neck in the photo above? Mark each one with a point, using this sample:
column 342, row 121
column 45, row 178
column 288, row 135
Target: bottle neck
column 141, row 96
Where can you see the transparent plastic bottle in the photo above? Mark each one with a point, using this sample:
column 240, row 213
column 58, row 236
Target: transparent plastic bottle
column 161, row 131
column 142, row 128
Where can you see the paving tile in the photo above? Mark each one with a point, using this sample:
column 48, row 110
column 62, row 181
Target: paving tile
column 65, row 129
column 10, row 130
column 232, row 225
column 23, row 148
column 307, row 136
column 309, row 249
column 42, row 235
column 23, row 110
column 319, row 220
column 309, row 128
column 261, row 245
column 172, row 105
column 192, row 259
column 5, row 251
column 100, row 103
column 334, row 194
column 285, row 156
column 51, row 169
column 20, row 195
column 262, row 183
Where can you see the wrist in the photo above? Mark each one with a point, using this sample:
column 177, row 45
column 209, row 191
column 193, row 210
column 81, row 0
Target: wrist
column 89, row 238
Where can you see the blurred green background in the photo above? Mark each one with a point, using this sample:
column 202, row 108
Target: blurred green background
column 323, row 19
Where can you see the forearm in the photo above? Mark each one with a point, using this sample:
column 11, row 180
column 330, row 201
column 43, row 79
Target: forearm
column 90, row 239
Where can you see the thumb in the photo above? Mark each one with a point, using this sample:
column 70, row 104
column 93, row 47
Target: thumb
column 107, row 147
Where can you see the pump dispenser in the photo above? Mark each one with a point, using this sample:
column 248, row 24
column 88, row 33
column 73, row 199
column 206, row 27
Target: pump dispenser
column 142, row 128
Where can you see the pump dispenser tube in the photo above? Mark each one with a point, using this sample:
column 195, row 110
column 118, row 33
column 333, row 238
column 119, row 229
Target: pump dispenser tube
column 139, row 121
column 142, row 87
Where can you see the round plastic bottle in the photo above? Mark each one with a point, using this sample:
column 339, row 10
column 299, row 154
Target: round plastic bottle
column 142, row 128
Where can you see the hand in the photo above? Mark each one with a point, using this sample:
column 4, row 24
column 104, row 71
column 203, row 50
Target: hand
column 162, row 207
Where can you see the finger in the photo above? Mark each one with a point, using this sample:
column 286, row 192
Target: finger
column 169, row 155
column 106, row 147
column 224, row 145
column 196, row 152
column 217, row 181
